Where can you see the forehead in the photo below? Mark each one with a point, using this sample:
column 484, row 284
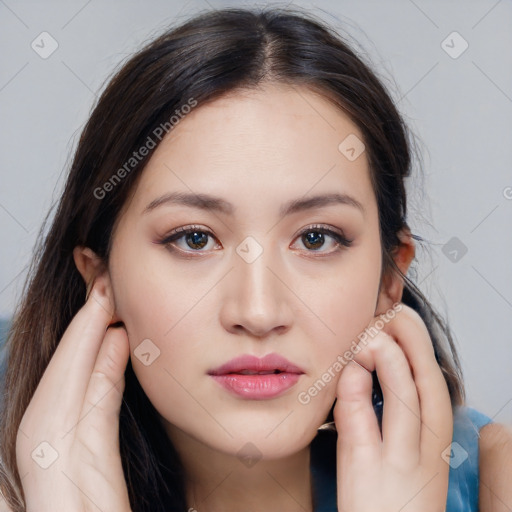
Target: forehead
column 276, row 142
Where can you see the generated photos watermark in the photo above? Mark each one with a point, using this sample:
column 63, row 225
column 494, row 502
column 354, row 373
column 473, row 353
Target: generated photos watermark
column 304, row 397
column 137, row 156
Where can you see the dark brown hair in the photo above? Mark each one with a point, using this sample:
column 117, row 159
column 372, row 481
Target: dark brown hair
column 211, row 54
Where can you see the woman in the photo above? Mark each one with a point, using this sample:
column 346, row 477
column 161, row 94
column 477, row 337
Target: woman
column 235, row 221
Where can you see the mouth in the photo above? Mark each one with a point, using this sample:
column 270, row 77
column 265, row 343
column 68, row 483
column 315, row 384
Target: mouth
column 252, row 372
column 251, row 365
column 253, row 378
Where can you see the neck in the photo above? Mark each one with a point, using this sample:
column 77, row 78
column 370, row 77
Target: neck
column 220, row 482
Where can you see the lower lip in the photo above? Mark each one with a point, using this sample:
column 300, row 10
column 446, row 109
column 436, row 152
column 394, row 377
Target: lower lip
column 258, row 387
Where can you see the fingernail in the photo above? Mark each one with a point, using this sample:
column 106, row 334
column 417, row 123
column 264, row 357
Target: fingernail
column 354, row 361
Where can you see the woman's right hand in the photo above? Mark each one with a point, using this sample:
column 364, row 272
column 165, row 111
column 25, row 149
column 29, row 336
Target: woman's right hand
column 67, row 447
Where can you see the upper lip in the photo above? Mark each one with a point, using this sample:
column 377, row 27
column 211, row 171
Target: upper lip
column 252, row 363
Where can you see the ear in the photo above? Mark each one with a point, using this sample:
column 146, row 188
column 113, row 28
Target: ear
column 94, row 270
column 392, row 284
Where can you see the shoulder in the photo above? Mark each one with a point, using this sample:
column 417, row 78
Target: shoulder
column 495, row 444
column 495, row 435
column 495, row 467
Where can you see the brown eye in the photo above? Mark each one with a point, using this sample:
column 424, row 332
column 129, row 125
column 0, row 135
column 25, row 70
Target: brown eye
column 315, row 238
column 313, row 242
column 188, row 239
column 196, row 239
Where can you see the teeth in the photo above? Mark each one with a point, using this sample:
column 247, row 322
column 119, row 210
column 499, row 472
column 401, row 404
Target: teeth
column 250, row 372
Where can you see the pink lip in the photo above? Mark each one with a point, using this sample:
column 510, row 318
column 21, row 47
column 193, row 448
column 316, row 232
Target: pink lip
column 248, row 362
column 257, row 387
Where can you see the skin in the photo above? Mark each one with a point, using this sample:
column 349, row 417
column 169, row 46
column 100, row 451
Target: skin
column 257, row 150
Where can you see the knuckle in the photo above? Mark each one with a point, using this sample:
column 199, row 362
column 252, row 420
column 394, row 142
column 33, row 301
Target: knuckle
column 411, row 315
column 380, row 341
column 101, row 380
column 101, row 386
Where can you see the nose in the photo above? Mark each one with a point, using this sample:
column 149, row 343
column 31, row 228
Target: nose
column 257, row 300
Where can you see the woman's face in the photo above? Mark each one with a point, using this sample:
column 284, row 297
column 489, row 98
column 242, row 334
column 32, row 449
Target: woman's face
column 254, row 279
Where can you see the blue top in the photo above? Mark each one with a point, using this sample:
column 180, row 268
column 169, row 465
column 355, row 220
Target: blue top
column 462, row 455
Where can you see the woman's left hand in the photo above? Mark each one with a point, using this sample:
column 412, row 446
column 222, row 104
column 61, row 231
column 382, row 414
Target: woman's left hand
column 403, row 470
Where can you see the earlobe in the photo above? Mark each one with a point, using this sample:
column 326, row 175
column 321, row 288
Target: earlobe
column 103, row 291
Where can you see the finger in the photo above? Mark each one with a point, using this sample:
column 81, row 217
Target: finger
column 354, row 416
column 410, row 332
column 102, row 402
column 93, row 464
column 65, row 380
column 401, row 419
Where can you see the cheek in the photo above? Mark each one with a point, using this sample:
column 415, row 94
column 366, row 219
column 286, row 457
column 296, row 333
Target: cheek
column 349, row 303
column 347, row 308
column 150, row 298
column 156, row 305
column 352, row 307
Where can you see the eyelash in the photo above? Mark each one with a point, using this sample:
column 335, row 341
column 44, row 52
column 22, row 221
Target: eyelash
column 341, row 241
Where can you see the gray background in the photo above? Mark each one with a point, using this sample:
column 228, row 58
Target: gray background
column 460, row 108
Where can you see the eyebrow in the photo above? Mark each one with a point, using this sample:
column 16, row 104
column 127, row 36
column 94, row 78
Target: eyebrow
column 217, row 204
